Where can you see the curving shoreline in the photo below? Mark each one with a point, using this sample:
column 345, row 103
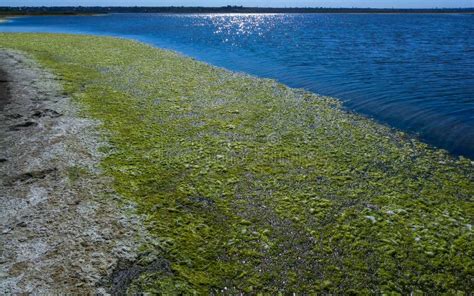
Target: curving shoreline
column 426, row 111
column 248, row 186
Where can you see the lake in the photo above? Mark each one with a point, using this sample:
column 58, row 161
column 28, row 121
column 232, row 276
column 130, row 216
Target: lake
column 412, row 72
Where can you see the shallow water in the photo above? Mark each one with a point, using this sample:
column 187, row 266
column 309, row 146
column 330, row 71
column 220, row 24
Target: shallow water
column 414, row 72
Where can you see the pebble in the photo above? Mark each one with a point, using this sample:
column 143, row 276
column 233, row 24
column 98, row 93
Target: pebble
column 371, row 218
column 96, row 255
column 6, row 230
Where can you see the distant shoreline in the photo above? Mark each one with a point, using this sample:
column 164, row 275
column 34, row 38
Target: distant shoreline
column 9, row 11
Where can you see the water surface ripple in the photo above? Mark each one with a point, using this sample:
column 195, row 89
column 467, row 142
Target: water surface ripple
column 414, row 72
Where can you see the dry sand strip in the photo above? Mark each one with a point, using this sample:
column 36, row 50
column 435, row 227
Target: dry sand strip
column 60, row 232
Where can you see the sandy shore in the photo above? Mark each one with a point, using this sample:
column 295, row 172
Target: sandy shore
column 61, row 231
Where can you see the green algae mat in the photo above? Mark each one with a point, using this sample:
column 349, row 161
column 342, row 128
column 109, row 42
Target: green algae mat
column 250, row 187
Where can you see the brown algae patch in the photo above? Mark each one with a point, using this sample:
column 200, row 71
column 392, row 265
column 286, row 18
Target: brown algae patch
column 249, row 186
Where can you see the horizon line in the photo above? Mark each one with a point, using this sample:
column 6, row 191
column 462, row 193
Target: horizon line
column 234, row 7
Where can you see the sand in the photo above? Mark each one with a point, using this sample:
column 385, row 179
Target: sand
column 61, row 228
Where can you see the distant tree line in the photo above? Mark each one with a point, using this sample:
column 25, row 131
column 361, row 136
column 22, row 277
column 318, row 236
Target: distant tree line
column 224, row 9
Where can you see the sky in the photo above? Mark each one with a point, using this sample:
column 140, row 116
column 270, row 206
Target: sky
column 261, row 3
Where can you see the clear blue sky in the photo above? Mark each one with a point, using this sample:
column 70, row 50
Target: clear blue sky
column 261, row 3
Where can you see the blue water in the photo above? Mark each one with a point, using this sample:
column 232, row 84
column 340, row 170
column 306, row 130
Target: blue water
column 413, row 72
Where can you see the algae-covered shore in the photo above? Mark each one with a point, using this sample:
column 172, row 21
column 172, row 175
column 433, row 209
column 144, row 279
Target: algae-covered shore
column 248, row 186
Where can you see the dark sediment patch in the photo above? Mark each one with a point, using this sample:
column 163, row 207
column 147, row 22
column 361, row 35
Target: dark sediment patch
column 34, row 175
column 4, row 91
column 23, row 125
column 127, row 271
